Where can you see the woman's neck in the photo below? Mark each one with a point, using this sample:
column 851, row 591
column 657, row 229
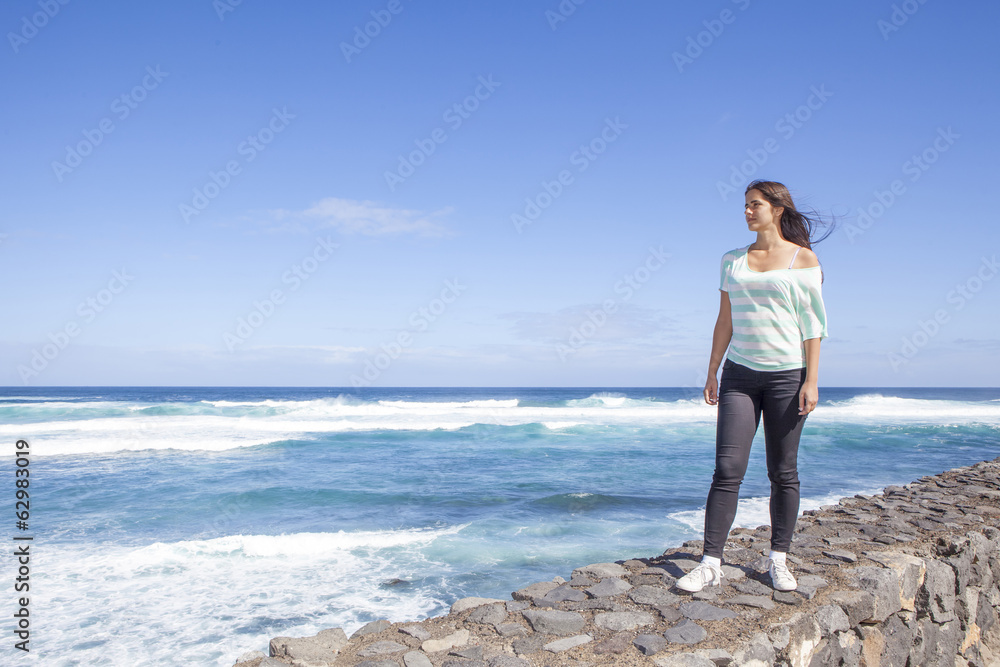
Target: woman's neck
column 768, row 240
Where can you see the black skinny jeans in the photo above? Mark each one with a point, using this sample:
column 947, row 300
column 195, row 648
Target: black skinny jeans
column 744, row 394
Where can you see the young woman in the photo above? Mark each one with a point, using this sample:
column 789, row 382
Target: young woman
column 772, row 311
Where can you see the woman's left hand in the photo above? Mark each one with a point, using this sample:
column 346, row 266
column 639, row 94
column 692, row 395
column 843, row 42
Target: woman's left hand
column 808, row 397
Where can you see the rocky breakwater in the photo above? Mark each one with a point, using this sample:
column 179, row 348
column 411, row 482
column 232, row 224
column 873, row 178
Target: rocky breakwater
column 905, row 577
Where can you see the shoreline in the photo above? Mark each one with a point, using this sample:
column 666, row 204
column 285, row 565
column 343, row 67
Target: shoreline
column 908, row 573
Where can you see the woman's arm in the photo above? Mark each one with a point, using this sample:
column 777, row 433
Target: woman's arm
column 721, row 337
column 809, row 393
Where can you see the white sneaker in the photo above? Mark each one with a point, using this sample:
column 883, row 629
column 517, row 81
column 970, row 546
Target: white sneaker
column 701, row 576
column 781, row 577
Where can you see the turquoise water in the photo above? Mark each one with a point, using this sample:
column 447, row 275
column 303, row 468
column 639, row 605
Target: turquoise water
column 192, row 524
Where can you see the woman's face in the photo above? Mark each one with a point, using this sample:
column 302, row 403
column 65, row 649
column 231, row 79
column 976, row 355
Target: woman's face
column 759, row 212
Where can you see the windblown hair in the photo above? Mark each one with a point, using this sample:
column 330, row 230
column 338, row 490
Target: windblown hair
column 796, row 226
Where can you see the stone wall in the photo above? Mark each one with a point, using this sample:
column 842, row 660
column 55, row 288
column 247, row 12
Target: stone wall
column 906, row 577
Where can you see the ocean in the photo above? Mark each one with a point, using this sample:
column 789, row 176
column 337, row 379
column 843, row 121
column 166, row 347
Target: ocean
column 188, row 525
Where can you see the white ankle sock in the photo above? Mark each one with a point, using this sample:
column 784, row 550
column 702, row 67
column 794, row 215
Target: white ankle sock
column 777, row 556
column 716, row 563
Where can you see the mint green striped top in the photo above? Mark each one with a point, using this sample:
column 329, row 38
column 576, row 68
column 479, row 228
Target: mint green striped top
column 773, row 312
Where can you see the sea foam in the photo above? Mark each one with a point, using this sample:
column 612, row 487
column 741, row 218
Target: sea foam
column 204, row 602
column 85, row 427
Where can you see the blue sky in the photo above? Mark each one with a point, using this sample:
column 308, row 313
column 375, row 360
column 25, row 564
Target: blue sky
column 211, row 193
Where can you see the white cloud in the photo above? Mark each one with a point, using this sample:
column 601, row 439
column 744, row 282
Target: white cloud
column 629, row 322
column 366, row 217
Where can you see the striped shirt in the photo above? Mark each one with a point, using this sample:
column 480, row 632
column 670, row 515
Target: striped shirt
column 773, row 312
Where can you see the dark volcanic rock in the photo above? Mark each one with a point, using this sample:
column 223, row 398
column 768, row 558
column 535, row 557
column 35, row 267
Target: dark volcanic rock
column 909, row 576
column 650, row 644
column 614, row 644
column 685, row 632
column 560, row 623
column 702, row 611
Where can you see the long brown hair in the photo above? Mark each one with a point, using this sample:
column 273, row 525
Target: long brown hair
column 796, row 226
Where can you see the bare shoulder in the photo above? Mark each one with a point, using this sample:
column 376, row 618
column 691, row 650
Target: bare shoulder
column 806, row 259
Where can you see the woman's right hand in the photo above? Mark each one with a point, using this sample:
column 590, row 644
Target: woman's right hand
column 712, row 390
